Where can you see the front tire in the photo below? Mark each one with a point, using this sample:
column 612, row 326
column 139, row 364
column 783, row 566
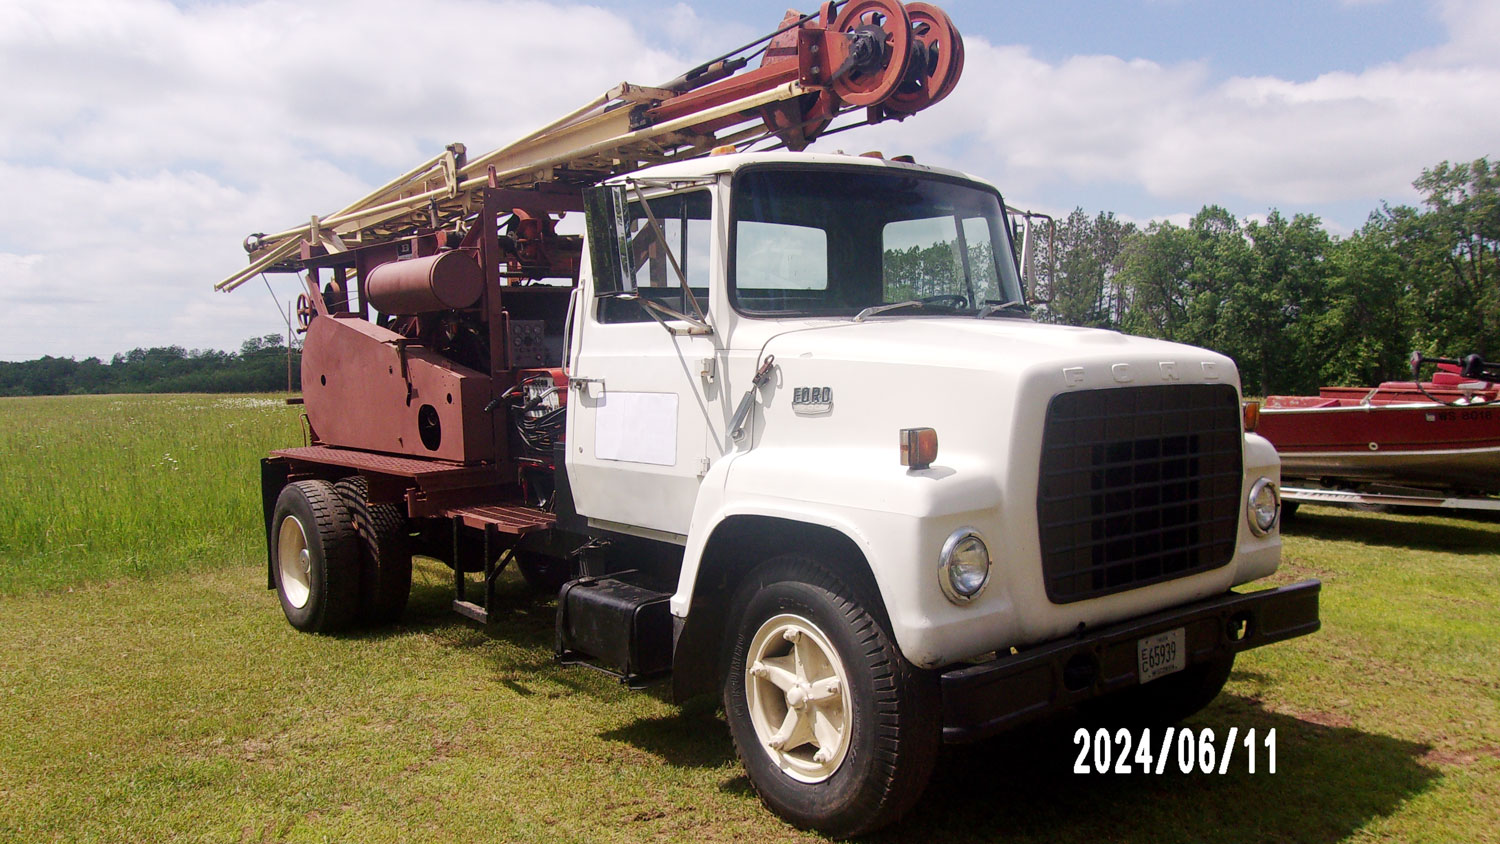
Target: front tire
column 315, row 565
column 837, row 731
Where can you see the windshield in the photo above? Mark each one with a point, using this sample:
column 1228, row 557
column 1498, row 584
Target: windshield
column 834, row 242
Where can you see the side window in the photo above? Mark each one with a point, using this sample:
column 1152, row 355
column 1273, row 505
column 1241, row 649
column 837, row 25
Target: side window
column 685, row 227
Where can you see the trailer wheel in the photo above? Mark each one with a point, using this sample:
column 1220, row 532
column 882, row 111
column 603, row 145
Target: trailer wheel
column 837, row 731
column 1166, row 700
column 384, row 552
column 316, row 570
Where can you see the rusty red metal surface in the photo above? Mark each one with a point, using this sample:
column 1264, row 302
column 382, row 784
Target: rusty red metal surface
column 860, row 77
column 368, row 387
column 861, row 58
column 799, row 120
column 730, row 90
column 506, row 518
column 938, row 60
column 445, row 281
column 435, row 474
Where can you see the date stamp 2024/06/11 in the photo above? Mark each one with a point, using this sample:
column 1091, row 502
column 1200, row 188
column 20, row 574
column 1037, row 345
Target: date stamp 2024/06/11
column 1123, row 751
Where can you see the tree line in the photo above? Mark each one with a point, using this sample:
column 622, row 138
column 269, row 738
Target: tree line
column 1293, row 305
column 259, row 366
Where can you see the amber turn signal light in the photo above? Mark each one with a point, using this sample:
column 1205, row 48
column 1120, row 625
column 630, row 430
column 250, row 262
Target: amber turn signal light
column 1252, row 415
column 918, row 447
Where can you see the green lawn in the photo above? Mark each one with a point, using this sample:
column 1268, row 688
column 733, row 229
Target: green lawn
column 151, row 691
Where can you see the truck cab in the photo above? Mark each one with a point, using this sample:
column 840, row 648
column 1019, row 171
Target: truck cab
column 886, row 298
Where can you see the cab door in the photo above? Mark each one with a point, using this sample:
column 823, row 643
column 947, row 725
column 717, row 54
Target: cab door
column 642, row 388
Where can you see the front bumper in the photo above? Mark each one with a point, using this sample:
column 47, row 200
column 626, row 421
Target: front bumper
column 982, row 700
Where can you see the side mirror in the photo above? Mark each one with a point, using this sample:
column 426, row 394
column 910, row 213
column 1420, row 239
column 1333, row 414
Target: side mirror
column 1025, row 227
column 608, row 229
column 1028, row 259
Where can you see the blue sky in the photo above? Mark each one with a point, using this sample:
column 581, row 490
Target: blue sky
column 1294, row 40
column 149, row 136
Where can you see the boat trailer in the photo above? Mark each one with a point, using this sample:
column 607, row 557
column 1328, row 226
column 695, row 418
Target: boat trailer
column 1313, row 495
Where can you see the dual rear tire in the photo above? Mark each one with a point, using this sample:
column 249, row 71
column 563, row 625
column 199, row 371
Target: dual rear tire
column 338, row 560
column 384, row 551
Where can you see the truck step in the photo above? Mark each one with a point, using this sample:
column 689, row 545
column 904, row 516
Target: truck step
column 622, row 628
column 471, row 610
column 504, row 518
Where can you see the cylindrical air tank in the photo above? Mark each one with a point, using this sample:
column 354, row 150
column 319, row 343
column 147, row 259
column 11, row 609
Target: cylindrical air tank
column 441, row 282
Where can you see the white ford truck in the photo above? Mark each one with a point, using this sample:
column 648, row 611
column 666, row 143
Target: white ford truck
column 792, row 439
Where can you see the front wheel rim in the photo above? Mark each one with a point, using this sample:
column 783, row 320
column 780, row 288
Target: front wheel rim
column 295, row 561
column 797, row 694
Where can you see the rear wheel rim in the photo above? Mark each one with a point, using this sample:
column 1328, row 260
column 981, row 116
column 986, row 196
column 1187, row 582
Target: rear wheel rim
column 295, row 561
column 797, row 693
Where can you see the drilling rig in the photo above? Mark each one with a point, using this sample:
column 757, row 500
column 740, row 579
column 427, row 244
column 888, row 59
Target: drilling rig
column 709, row 425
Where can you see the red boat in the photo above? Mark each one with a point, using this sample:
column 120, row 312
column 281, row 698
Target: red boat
column 1441, row 435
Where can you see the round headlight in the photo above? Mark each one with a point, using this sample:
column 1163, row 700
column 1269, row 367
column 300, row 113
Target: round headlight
column 1263, row 506
column 964, row 567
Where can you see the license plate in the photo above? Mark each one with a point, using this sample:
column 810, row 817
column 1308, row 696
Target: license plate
column 1160, row 655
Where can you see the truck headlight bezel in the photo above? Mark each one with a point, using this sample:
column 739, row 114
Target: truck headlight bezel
column 1263, row 506
column 964, row 566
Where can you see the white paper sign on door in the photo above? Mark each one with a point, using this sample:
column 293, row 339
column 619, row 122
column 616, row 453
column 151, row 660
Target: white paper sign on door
column 637, row 428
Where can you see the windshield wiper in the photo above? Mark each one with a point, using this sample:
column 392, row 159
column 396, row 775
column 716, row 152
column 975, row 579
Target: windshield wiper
column 992, row 307
column 880, row 309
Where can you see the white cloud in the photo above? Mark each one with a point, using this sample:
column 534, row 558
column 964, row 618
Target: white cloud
column 149, row 138
column 1472, row 29
column 145, row 139
column 1175, row 134
column 697, row 39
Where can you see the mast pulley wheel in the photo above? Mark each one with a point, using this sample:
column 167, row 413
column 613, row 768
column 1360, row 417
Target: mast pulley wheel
column 937, row 60
column 870, row 50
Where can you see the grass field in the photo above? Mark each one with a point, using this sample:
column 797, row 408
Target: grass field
column 151, row 691
column 99, row 487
